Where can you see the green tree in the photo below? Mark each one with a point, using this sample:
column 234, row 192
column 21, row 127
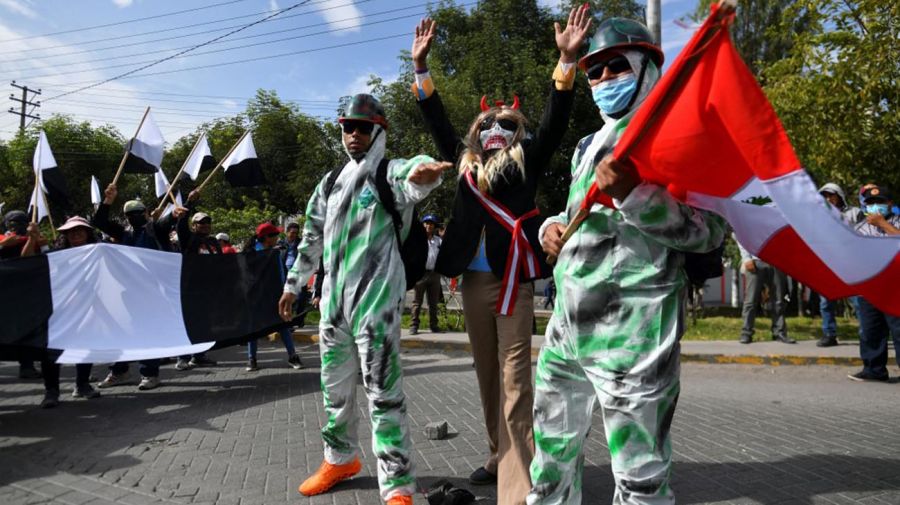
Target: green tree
column 500, row 49
column 838, row 92
column 763, row 30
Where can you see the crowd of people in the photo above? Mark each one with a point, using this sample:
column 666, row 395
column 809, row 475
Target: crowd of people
column 617, row 295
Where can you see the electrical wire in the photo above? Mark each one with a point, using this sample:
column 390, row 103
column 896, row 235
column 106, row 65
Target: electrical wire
column 216, row 51
column 157, row 62
column 118, row 23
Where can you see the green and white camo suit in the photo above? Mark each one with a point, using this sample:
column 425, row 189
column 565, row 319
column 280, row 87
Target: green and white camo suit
column 362, row 297
column 614, row 336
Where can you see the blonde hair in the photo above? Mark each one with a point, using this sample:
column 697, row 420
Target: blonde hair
column 472, row 158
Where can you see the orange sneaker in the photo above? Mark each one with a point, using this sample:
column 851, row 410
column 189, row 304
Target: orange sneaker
column 327, row 476
column 398, row 499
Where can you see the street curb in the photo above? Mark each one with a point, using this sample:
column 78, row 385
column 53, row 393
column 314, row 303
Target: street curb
column 409, row 343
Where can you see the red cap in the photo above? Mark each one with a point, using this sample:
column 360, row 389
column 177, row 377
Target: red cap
column 266, row 229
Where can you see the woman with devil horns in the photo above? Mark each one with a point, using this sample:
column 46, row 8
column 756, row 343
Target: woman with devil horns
column 492, row 241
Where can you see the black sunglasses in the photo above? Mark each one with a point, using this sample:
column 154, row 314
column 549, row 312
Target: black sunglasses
column 506, row 124
column 616, row 65
column 363, row 127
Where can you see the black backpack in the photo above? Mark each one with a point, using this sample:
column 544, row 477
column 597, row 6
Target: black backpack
column 698, row 266
column 414, row 250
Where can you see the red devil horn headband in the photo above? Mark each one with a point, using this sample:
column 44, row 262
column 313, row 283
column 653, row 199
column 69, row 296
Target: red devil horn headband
column 499, row 103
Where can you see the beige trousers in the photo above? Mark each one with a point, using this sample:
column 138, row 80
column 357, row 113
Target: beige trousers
column 501, row 346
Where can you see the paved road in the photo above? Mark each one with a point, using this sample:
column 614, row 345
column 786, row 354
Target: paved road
column 742, row 435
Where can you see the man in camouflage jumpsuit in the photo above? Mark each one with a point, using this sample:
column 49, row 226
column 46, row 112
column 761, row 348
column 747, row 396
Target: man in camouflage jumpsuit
column 362, row 296
column 616, row 324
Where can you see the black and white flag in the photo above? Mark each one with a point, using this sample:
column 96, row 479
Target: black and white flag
column 96, row 196
column 242, row 167
column 161, row 183
column 52, row 180
column 38, row 199
column 104, row 303
column 145, row 150
column 200, row 160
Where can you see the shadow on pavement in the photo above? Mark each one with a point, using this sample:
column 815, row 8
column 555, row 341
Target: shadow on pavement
column 795, row 480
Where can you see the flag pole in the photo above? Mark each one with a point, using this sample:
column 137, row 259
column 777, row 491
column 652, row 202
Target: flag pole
column 169, row 194
column 208, row 177
column 127, row 150
column 726, row 8
column 49, row 217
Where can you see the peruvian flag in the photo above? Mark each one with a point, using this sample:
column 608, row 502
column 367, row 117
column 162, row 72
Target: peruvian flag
column 708, row 134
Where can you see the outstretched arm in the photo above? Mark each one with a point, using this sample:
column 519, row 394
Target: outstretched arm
column 435, row 116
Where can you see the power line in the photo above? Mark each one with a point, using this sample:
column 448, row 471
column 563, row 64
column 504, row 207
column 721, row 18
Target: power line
column 162, row 93
column 176, row 28
column 157, row 62
column 246, row 37
column 118, row 23
column 249, row 60
column 216, row 51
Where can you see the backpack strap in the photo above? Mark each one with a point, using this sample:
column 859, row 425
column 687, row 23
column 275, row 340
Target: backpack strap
column 386, row 197
column 329, row 182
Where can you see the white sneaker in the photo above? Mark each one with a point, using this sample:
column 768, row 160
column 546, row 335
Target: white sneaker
column 114, row 380
column 148, row 383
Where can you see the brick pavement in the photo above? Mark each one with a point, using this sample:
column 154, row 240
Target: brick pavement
column 742, row 435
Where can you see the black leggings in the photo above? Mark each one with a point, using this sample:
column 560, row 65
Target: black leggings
column 50, row 371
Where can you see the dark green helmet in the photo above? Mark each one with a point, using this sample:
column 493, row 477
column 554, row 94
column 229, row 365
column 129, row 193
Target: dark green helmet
column 622, row 33
column 363, row 107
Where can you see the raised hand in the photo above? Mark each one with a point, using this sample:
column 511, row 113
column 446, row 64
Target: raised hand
column 616, row 178
column 110, row 194
column 569, row 41
column 422, row 43
column 427, row 173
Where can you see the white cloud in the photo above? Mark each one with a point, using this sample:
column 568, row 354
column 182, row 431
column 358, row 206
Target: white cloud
column 22, row 7
column 123, row 3
column 360, row 83
column 340, row 17
column 273, row 5
column 119, row 104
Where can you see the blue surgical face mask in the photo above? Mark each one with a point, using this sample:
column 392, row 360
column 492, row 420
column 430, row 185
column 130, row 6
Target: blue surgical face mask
column 878, row 208
column 614, row 95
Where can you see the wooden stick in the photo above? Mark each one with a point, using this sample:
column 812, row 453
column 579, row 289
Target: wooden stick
column 125, row 156
column 726, row 7
column 208, row 177
column 169, row 194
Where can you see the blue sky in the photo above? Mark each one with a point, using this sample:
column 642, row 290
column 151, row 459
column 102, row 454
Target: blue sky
column 43, row 44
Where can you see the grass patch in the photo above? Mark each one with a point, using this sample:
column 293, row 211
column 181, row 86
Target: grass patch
column 709, row 328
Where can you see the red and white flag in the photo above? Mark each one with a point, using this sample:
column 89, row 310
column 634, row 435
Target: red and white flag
column 711, row 137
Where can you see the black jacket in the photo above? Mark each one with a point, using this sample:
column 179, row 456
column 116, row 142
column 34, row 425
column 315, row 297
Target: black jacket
column 153, row 235
column 460, row 242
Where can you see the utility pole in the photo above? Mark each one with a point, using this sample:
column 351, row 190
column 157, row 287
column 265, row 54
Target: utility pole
column 24, row 101
column 653, row 17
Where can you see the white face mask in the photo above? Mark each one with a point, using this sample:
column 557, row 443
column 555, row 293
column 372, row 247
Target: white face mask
column 496, row 137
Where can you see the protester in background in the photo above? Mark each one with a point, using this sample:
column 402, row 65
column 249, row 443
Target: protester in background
column 760, row 274
column 266, row 238
column 195, row 240
column 618, row 320
column 352, row 231
column 881, row 221
column 289, row 245
column 76, row 232
column 431, row 281
column 225, row 243
column 11, row 244
column 851, row 215
column 492, row 242
column 549, row 294
column 145, row 232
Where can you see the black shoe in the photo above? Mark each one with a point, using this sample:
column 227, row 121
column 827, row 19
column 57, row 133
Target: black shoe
column 295, row 362
column 436, row 330
column 827, row 341
column 745, row 339
column 413, row 330
column 865, row 376
column 482, row 477
column 784, row 339
column 251, row 365
column 51, row 400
